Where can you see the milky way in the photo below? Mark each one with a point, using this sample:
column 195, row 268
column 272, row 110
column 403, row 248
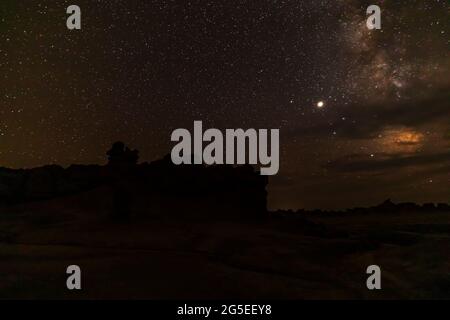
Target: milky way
column 363, row 114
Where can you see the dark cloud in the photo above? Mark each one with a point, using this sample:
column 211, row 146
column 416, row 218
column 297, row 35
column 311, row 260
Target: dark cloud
column 365, row 163
column 367, row 121
column 407, row 113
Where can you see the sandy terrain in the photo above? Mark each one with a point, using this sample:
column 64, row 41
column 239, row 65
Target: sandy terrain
column 279, row 258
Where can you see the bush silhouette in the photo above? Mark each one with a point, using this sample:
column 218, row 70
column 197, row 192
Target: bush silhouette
column 119, row 154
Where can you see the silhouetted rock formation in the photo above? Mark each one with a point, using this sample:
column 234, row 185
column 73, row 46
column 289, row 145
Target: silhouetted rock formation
column 214, row 191
column 46, row 182
column 157, row 189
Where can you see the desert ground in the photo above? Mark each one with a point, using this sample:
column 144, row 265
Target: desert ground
column 317, row 257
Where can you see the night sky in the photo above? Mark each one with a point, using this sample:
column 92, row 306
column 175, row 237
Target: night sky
column 363, row 115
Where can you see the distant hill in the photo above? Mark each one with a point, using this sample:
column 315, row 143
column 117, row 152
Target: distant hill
column 386, row 207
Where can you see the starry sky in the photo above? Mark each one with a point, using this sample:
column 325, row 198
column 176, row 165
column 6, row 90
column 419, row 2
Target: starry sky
column 364, row 115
